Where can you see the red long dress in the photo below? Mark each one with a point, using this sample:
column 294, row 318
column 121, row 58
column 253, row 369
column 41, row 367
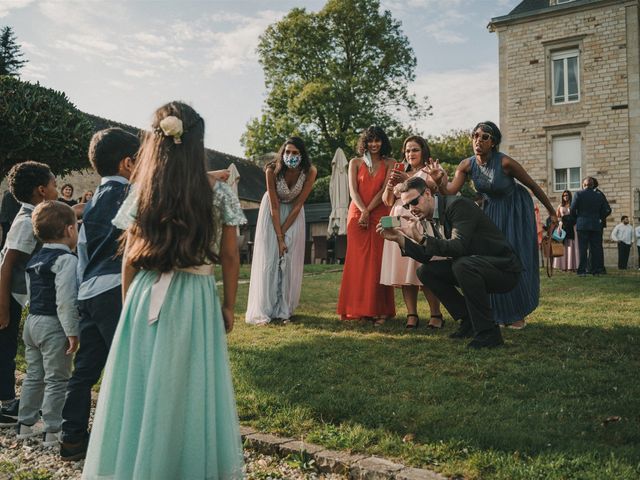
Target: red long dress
column 361, row 294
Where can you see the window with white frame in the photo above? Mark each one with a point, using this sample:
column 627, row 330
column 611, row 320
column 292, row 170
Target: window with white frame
column 565, row 76
column 567, row 162
column 558, row 2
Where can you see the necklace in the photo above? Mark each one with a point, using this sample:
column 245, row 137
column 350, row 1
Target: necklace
column 483, row 163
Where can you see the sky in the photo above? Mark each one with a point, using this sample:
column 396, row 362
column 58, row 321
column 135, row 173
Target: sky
column 123, row 59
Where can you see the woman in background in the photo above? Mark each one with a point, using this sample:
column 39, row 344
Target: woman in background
column 67, row 195
column 397, row 270
column 569, row 261
column 509, row 205
column 278, row 255
column 86, row 196
column 361, row 294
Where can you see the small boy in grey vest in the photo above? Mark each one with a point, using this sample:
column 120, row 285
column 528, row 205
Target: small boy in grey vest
column 51, row 330
column 30, row 183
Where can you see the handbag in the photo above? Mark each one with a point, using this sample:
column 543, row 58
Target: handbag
column 551, row 249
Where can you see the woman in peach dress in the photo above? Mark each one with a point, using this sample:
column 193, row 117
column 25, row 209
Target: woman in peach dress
column 361, row 294
column 399, row 271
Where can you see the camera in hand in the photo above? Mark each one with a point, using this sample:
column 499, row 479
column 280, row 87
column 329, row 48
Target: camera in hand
column 390, row 221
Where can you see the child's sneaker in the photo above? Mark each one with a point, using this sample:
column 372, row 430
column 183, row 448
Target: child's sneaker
column 25, row 431
column 50, row 439
column 10, row 408
column 6, row 421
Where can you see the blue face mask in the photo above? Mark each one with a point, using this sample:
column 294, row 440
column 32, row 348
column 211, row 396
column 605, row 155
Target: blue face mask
column 291, row 161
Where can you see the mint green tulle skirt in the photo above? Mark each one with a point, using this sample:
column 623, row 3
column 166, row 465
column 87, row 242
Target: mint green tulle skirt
column 166, row 408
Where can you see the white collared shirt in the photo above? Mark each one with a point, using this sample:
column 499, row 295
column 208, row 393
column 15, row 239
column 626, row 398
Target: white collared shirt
column 622, row 233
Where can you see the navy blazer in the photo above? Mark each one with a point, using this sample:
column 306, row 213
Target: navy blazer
column 589, row 208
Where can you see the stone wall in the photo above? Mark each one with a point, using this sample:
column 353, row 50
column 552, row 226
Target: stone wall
column 607, row 115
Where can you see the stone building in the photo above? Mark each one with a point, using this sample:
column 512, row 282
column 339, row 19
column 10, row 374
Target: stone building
column 570, row 97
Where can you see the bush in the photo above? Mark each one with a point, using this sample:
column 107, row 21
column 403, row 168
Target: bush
column 320, row 192
column 467, row 189
column 38, row 123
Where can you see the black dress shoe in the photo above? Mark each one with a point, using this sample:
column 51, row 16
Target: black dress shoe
column 73, row 452
column 487, row 339
column 10, row 407
column 465, row 330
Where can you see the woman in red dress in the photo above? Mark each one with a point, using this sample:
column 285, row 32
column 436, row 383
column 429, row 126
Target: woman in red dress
column 361, row 294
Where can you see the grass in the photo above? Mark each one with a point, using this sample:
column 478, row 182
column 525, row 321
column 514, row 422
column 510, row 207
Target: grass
column 560, row 400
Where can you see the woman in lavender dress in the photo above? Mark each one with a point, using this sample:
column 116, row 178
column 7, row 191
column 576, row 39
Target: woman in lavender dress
column 278, row 256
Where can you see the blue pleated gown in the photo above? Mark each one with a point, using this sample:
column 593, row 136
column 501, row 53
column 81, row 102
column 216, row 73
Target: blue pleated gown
column 510, row 206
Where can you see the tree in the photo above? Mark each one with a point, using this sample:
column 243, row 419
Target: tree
column 329, row 75
column 38, row 123
column 10, row 55
column 452, row 147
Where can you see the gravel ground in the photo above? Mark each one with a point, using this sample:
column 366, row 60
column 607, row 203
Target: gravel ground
column 29, row 459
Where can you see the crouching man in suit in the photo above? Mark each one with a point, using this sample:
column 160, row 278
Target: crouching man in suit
column 480, row 260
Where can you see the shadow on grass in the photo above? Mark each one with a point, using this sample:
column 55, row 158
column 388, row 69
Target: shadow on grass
column 551, row 389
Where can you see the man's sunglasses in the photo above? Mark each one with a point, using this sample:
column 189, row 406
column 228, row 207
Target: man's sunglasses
column 484, row 136
column 413, row 202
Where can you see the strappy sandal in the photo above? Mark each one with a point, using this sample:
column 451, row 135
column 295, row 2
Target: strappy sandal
column 410, row 326
column 434, row 327
column 379, row 321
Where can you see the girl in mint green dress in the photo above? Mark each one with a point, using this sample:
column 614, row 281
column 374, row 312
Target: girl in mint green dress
column 166, row 408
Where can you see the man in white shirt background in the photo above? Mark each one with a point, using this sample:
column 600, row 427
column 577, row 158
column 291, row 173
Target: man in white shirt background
column 638, row 243
column 623, row 234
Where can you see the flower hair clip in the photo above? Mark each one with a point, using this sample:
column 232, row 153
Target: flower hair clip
column 171, row 126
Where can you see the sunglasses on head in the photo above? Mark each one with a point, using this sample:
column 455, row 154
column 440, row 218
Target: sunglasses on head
column 413, row 202
column 484, row 136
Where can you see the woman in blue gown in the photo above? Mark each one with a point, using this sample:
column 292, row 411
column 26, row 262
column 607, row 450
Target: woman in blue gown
column 509, row 204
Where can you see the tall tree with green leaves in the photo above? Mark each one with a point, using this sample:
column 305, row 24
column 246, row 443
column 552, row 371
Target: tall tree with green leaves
column 11, row 60
column 329, row 75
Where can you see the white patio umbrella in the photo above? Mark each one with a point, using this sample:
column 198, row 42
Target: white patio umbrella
column 234, row 178
column 339, row 194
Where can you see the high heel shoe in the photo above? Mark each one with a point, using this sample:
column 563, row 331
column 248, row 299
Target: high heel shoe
column 414, row 326
column 433, row 327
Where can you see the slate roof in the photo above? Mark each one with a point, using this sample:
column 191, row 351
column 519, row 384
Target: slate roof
column 529, row 6
column 252, row 184
column 533, row 7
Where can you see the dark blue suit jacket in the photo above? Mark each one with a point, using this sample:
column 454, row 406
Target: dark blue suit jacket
column 589, row 208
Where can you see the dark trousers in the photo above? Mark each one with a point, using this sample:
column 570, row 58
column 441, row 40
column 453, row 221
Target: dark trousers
column 638, row 247
column 623, row 255
column 591, row 253
column 477, row 277
column 8, row 351
column 98, row 321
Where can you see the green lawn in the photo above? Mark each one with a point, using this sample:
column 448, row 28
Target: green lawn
column 544, row 406
column 561, row 400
